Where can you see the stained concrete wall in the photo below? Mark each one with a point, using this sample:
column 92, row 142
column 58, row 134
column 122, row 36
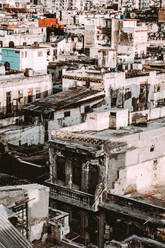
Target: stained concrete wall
column 18, row 82
column 127, row 91
column 38, row 202
column 9, row 121
column 141, row 167
column 16, row 135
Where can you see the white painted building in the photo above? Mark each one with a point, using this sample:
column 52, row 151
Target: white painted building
column 132, row 38
column 16, row 90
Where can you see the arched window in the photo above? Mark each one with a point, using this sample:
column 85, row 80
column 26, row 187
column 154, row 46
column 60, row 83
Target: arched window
column 11, row 44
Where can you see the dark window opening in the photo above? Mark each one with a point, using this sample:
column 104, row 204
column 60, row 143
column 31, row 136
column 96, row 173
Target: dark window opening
column 113, row 102
column 128, row 95
column 87, row 108
column 76, row 170
column 158, row 89
column 93, row 178
column 8, row 102
column 30, row 96
column 7, row 66
column 152, row 148
column 141, row 89
column 88, row 84
column 60, row 168
column 11, row 44
column 30, row 99
column 113, row 114
column 67, row 114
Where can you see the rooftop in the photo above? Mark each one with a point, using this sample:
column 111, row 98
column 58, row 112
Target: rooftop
column 111, row 134
column 23, row 47
column 62, row 100
column 13, row 77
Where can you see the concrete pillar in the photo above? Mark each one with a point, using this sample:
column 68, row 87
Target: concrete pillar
column 85, row 178
column 101, row 220
column 68, row 173
column 83, row 224
column 53, row 167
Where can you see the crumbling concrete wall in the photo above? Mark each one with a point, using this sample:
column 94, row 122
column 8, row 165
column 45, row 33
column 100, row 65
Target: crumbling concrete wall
column 18, row 135
column 59, row 225
column 135, row 93
column 142, row 166
column 19, row 86
column 37, row 197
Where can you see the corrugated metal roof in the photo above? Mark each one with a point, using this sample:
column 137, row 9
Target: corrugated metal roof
column 62, row 100
column 10, row 237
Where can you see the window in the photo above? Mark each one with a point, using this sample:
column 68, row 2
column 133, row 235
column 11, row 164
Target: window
column 76, row 170
column 30, row 95
column 128, row 94
column 113, row 102
column 113, row 114
column 67, row 114
column 38, row 94
column 87, row 109
column 152, row 148
column 158, row 89
column 60, row 161
column 20, row 96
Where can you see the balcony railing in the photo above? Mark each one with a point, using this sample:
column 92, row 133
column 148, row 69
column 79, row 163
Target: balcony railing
column 71, row 196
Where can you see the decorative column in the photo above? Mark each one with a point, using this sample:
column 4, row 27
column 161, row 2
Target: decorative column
column 101, row 220
column 68, row 173
column 53, row 167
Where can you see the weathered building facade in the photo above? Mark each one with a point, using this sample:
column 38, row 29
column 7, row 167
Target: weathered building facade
column 97, row 172
column 18, row 89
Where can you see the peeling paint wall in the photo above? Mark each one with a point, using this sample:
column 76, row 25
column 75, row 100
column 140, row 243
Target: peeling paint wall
column 136, row 93
column 141, row 167
column 18, row 135
column 19, row 86
column 38, row 203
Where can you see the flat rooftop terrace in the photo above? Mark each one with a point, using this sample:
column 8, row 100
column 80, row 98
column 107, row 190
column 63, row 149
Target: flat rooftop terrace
column 112, row 134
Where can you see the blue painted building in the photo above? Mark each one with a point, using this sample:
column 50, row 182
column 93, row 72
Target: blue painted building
column 12, row 57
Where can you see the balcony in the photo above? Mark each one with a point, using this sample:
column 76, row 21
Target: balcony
column 70, row 196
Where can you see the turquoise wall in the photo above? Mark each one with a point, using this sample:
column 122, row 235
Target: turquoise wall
column 13, row 57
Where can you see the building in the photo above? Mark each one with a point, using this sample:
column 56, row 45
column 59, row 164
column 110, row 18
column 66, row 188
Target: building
column 132, row 38
column 62, row 109
column 18, row 89
column 20, row 58
column 25, row 202
column 99, row 174
column 16, row 34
